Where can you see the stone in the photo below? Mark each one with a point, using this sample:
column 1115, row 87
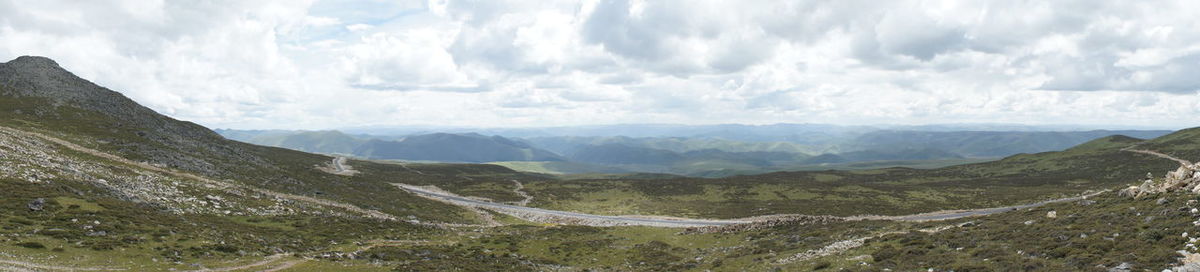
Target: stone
column 1121, row 268
column 1086, row 202
column 1162, row 201
column 1052, row 214
column 37, row 204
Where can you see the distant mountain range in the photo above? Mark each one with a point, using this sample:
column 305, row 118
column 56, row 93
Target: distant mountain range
column 688, row 155
column 442, row 147
column 986, row 143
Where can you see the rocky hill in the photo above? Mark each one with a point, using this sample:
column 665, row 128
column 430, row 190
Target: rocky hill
column 45, row 105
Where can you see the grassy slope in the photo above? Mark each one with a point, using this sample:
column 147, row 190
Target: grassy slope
column 1112, row 231
column 266, row 167
column 1023, row 178
column 144, row 237
column 1183, row 144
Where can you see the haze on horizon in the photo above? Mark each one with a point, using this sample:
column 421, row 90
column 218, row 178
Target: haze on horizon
column 361, row 63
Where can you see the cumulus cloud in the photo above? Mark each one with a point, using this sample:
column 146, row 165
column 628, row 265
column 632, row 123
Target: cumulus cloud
column 328, row 63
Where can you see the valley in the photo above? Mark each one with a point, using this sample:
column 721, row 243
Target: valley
column 700, row 154
column 92, row 181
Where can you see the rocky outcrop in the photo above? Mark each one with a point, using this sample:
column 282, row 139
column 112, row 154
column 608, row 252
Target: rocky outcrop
column 1184, row 179
column 37, row 204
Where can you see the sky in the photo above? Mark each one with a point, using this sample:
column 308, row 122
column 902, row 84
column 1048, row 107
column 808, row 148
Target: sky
column 352, row 63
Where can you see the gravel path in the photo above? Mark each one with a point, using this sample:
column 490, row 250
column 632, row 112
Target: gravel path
column 520, row 191
column 948, row 215
column 552, row 216
column 1160, row 155
column 340, row 167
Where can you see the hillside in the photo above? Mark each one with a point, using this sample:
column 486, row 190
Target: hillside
column 84, row 153
column 1097, row 164
column 90, row 180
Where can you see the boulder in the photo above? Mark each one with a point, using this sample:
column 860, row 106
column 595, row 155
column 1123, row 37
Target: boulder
column 37, row 204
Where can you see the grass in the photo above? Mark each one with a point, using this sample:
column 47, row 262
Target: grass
column 86, row 224
column 1018, row 179
column 1108, row 233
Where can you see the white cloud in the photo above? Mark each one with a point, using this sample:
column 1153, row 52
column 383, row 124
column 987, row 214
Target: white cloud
column 290, row 64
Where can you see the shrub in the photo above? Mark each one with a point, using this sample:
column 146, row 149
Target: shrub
column 34, row 245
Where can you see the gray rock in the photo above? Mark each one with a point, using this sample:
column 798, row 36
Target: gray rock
column 97, row 233
column 1162, row 201
column 1121, row 268
column 1086, row 202
column 37, row 204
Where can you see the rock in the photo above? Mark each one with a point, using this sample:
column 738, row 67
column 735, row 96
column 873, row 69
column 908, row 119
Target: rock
column 37, row 204
column 97, row 233
column 1052, row 214
column 1121, row 268
column 1162, row 201
column 1086, row 202
column 1132, row 191
column 1030, row 222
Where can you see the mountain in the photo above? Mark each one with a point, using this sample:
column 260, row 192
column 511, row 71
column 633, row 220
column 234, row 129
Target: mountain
column 623, row 154
column 915, row 154
column 985, row 143
column 443, row 147
column 453, row 148
column 88, row 171
column 90, row 180
column 328, row 142
column 569, row 144
column 797, row 133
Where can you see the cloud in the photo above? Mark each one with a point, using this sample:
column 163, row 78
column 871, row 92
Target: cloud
column 329, row 63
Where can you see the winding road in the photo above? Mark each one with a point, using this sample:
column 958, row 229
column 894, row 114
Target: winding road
column 948, row 215
column 608, row 220
column 601, row 220
column 339, row 167
column 1157, row 154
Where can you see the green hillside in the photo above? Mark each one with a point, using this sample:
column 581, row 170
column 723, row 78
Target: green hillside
column 1098, row 164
